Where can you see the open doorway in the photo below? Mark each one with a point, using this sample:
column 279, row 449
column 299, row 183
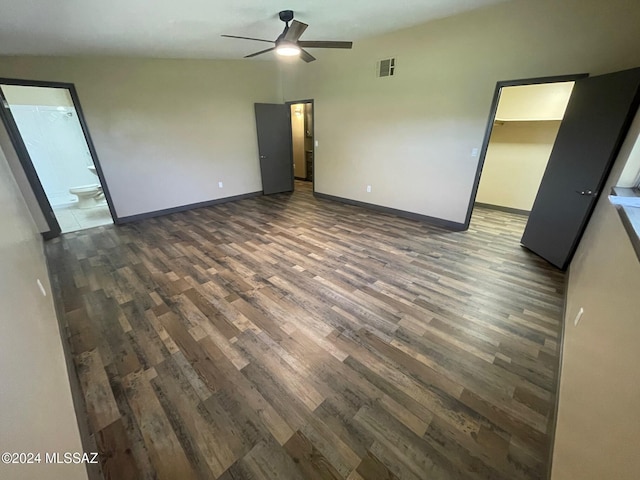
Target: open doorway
column 597, row 118
column 47, row 130
column 286, row 145
column 302, row 141
column 524, row 123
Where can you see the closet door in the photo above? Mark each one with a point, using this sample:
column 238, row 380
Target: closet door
column 595, row 123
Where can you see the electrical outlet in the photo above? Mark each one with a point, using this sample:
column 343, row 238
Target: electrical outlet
column 368, row 188
column 44, row 292
column 474, row 152
column 316, row 143
column 219, row 184
column 578, row 316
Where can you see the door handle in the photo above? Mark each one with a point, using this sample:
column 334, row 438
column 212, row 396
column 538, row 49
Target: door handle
column 587, row 193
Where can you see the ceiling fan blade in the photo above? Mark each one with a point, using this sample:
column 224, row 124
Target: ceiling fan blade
column 324, row 44
column 260, row 52
column 248, row 38
column 306, row 56
column 294, row 31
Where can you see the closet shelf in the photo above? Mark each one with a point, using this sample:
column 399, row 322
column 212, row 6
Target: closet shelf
column 528, row 119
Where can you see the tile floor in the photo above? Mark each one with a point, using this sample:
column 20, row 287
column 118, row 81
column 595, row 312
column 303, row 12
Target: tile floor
column 72, row 218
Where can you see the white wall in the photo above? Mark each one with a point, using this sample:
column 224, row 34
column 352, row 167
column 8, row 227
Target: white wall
column 410, row 136
column 37, row 413
column 166, row 131
column 598, row 429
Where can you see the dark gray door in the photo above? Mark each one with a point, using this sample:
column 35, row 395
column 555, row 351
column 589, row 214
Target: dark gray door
column 273, row 124
column 596, row 121
column 29, row 169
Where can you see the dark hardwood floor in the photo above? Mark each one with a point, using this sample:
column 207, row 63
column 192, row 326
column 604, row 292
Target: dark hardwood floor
column 285, row 337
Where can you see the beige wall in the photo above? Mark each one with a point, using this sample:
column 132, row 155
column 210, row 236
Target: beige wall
column 166, row 131
column 411, row 136
column 630, row 174
column 21, row 179
column 37, row 413
column 298, row 135
column 516, row 159
column 21, row 95
column 521, row 143
column 598, row 430
column 546, row 101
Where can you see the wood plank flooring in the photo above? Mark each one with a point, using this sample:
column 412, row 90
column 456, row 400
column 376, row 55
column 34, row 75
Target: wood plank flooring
column 286, row 337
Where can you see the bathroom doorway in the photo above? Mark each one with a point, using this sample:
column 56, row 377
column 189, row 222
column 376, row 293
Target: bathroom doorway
column 48, row 131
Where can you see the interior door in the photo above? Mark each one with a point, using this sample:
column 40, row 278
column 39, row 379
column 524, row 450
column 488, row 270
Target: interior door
column 29, row 170
column 273, row 124
column 595, row 123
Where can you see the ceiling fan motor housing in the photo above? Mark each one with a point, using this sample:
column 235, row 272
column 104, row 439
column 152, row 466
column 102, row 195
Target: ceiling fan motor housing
column 288, row 42
column 286, row 15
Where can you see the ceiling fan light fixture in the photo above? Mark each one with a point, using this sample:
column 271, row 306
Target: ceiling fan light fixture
column 287, row 49
column 288, row 43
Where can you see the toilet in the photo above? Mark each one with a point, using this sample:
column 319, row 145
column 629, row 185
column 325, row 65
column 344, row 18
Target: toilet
column 88, row 195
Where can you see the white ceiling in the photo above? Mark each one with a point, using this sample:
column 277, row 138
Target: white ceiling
column 192, row 28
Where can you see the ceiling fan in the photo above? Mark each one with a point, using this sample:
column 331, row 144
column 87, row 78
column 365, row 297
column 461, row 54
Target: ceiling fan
column 288, row 43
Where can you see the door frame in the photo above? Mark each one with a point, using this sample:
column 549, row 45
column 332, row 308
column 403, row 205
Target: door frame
column 490, row 122
column 313, row 136
column 25, row 159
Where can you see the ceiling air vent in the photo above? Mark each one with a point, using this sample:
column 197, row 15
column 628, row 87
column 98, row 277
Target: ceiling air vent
column 386, row 67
